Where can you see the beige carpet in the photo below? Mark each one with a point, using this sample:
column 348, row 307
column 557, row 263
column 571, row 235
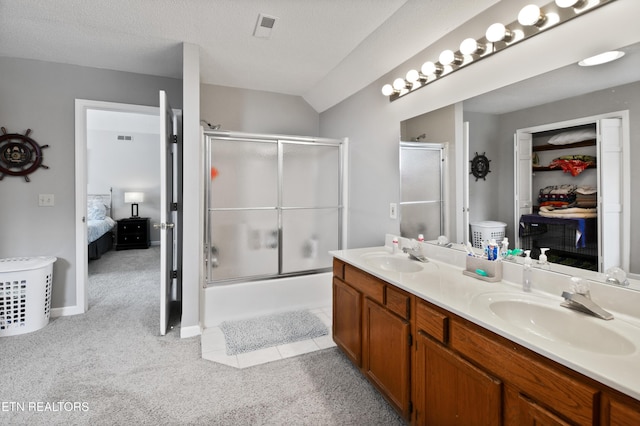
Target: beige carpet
column 111, row 367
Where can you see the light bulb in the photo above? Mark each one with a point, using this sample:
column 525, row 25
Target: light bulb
column 399, row 83
column 412, row 76
column 387, row 90
column 448, row 57
column 470, row 46
column 498, row 32
column 429, row 68
column 531, row 15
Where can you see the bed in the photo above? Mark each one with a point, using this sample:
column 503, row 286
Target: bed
column 99, row 224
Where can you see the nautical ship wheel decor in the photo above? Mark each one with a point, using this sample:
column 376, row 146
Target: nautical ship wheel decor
column 19, row 155
column 480, row 166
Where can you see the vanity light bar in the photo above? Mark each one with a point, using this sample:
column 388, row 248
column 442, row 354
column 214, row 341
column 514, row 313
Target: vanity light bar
column 532, row 20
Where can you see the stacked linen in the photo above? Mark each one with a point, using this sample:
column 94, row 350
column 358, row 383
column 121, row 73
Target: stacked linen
column 557, row 196
column 568, row 201
column 586, row 196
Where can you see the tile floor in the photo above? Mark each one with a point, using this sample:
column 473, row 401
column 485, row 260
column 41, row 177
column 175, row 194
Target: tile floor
column 214, row 348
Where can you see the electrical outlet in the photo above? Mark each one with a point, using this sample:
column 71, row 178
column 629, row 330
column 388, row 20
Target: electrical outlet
column 45, row 200
column 393, row 211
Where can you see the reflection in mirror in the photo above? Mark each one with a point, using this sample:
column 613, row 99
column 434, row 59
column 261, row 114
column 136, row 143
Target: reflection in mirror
column 632, row 284
column 567, row 94
column 421, row 190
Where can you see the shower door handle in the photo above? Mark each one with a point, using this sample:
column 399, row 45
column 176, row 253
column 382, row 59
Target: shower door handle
column 163, row 226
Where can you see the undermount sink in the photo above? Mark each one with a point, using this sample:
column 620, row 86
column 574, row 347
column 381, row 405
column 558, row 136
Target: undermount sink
column 392, row 262
column 557, row 324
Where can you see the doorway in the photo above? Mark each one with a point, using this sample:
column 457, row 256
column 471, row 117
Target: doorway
column 110, row 137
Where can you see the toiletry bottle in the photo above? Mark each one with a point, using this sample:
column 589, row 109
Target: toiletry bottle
column 395, row 247
column 420, row 238
column 504, row 250
column 526, row 271
column 542, row 259
column 492, row 250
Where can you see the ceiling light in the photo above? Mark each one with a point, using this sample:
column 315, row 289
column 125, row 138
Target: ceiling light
column 429, row 68
column 387, row 90
column 498, row 32
column 570, row 3
column 602, row 58
column 448, row 57
column 531, row 15
column 470, row 46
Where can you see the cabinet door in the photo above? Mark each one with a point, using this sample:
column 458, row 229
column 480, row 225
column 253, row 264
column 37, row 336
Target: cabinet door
column 386, row 354
column 451, row 391
column 532, row 414
column 621, row 414
column 347, row 317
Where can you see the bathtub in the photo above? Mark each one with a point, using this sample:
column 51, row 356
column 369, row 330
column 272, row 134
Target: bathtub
column 256, row 298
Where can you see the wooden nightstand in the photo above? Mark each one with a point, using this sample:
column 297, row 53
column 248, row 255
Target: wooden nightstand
column 133, row 233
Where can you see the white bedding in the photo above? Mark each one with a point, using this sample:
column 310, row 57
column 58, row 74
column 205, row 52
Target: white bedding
column 98, row 227
column 99, row 221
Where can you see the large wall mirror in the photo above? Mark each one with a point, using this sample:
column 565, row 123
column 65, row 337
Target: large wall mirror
column 565, row 95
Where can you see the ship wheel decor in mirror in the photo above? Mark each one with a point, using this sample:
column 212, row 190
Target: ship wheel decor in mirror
column 19, row 154
column 480, row 166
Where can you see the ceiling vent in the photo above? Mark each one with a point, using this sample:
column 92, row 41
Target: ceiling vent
column 264, row 26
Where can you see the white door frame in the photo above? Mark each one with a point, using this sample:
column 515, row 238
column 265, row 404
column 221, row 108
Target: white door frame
column 81, row 107
column 625, row 196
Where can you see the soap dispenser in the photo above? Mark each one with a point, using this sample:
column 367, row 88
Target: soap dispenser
column 526, row 271
column 542, row 259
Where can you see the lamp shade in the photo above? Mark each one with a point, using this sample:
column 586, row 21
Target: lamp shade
column 134, row 197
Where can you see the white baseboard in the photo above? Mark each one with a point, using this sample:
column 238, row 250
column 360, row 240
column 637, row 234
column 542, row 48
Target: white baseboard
column 66, row 311
column 190, row 331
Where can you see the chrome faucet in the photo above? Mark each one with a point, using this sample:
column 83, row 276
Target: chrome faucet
column 415, row 253
column 583, row 303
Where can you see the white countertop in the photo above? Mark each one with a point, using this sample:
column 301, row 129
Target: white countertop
column 442, row 283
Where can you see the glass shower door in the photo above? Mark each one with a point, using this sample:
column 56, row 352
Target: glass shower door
column 310, row 201
column 243, row 209
column 273, row 207
column 421, row 192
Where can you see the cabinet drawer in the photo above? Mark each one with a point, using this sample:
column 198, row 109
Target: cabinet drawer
column 365, row 283
column 561, row 393
column 338, row 268
column 432, row 322
column 398, row 302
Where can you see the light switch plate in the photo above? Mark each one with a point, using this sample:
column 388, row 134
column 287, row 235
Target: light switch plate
column 45, row 200
column 393, row 211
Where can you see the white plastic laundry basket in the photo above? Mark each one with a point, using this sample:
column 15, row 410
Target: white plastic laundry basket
column 486, row 230
column 25, row 294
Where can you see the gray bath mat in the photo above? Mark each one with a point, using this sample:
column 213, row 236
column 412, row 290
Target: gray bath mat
column 271, row 330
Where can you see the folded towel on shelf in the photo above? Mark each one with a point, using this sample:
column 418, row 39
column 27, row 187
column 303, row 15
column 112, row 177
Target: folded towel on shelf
column 569, row 213
column 586, row 190
column 557, row 194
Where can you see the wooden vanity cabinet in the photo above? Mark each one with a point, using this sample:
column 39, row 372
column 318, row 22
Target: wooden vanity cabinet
column 437, row 368
column 449, row 390
column 371, row 326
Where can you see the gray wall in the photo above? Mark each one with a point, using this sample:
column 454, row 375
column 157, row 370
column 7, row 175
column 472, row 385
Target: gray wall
column 257, row 111
column 483, row 195
column 40, row 96
column 139, row 170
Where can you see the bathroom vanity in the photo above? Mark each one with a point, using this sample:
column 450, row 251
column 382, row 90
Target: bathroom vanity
column 444, row 348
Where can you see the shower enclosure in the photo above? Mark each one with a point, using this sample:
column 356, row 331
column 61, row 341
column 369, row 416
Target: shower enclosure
column 274, row 205
column 421, row 190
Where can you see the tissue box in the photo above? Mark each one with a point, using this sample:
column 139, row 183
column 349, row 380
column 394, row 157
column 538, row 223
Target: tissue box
column 493, row 268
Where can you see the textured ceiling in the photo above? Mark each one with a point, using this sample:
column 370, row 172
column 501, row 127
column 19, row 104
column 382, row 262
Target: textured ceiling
column 323, row 50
